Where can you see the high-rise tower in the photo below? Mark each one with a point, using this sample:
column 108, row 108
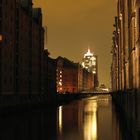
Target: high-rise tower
column 91, row 64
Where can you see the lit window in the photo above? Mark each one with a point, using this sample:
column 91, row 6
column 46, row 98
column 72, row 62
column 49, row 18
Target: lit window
column 60, row 83
column 94, row 72
column 94, row 63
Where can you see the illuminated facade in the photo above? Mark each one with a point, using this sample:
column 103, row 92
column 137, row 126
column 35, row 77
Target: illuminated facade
column 71, row 77
column 125, row 68
column 67, row 76
column 91, row 64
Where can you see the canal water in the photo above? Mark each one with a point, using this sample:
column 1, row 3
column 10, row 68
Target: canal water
column 93, row 118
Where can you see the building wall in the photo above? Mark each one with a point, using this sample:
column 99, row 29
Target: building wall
column 90, row 83
column 67, row 76
column 72, row 78
column 85, row 74
column 7, row 30
column 88, row 80
column 128, row 52
column 137, row 44
column 114, row 52
column 45, row 71
column 51, row 77
column 37, row 49
column 80, row 78
column 24, row 48
column 59, row 71
column 21, row 47
column 96, row 81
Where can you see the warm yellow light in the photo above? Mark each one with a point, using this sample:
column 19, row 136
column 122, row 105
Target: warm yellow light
column 90, row 126
column 94, row 72
column 60, row 83
column 88, row 54
column 60, row 119
column 120, row 16
column 0, row 37
column 94, row 63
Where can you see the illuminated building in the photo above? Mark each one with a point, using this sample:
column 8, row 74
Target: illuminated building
column 67, row 76
column 125, row 68
column 91, row 64
column 71, row 77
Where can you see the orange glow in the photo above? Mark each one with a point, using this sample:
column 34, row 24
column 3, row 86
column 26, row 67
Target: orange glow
column 1, row 37
column 60, row 119
column 72, row 25
column 90, row 126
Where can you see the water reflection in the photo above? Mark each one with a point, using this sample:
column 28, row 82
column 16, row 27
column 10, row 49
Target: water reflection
column 60, row 119
column 87, row 119
column 90, row 121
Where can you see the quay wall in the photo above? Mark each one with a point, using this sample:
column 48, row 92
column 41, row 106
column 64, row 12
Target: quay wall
column 128, row 105
column 15, row 102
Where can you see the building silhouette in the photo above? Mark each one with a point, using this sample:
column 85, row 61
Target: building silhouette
column 21, row 47
column 49, row 74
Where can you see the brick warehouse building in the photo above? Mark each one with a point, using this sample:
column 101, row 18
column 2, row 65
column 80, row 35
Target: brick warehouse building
column 72, row 78
column 21, row 47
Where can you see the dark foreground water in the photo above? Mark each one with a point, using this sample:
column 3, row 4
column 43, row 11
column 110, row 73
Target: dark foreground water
column 86, row 119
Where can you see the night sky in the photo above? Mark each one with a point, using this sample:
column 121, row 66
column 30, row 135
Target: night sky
column 73, row 25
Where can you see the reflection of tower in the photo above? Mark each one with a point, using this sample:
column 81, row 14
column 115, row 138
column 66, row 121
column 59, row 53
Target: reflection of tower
column 91, row 64
column 90, row 121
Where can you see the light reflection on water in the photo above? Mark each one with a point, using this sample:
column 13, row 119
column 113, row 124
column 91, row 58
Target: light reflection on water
column 87, row 119
column 90, row 121
column 60, row 119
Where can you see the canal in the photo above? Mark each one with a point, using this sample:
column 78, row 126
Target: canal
column 93, row 118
